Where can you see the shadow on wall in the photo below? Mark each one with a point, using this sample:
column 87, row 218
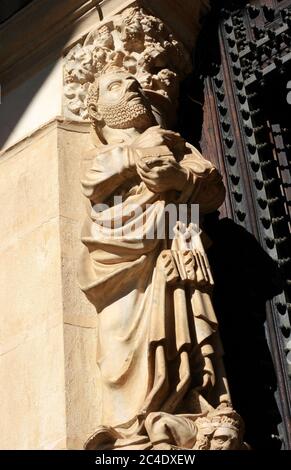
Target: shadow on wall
column 9, row 7
column 26, row 107
column 245, row 279
column 15, row 104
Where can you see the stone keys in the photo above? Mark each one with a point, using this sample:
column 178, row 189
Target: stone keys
column 186, row 262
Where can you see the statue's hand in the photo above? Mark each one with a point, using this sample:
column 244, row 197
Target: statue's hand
column 161, row 174
column 157, row 137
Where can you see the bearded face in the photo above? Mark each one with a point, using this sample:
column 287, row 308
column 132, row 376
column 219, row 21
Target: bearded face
column 124, row 115
column 121, row 103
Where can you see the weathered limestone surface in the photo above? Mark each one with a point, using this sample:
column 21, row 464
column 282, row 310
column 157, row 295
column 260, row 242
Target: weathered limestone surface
column 32, row 355
column 48, row 368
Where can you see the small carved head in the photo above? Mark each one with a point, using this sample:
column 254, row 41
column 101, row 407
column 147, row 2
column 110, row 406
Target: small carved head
column 220, row 430
column 225, row 437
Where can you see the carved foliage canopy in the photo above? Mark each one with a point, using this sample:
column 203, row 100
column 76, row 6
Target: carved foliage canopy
column 134, row 41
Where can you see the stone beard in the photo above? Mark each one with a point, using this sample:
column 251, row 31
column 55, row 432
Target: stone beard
column 124, row 114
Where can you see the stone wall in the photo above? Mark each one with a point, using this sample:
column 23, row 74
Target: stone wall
column 48, row 333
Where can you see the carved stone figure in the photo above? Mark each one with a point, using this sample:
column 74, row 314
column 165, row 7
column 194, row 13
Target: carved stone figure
column 159, row 351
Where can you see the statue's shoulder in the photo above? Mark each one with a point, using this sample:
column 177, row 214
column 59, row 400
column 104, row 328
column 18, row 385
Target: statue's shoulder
column 99, row 150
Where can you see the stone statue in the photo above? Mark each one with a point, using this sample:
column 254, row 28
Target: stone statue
column 159, row 351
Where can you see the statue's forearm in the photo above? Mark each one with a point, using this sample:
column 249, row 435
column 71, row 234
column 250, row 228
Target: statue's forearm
column 204, row 185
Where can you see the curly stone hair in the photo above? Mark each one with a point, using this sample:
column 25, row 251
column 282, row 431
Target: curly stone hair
column 92, row 97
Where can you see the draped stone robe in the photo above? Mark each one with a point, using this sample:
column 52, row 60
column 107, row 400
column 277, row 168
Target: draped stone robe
column 153, row 338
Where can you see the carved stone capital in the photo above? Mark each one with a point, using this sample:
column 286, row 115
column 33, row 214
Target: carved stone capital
column 139, row 42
